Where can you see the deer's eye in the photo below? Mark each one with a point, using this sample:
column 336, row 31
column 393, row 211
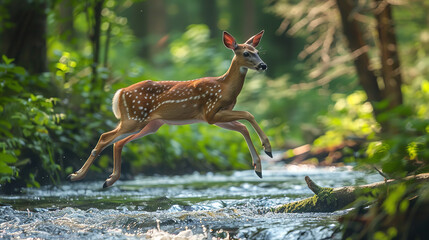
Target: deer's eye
column 246, row 54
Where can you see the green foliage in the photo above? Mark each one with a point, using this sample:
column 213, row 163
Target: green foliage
column 350, row 116
column 83, row 121
column 395, row 199
column 407, row 150
column 401, row 154
column 391, row 233
column 27, row 122
column 397, row 213
column 7, row 170
column 397, row 154
column 195, row 55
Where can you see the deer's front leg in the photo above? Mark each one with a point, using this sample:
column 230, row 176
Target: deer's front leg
column 224, row 116
column 229, row 116
column 241, row 128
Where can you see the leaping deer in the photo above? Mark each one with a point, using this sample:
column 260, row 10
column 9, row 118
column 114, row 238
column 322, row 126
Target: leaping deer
column 145, row 106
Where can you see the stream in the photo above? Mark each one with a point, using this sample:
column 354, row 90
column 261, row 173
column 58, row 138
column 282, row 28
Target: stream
column 194, row 206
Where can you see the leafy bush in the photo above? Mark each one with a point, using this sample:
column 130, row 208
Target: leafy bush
column 195, row 55
column 350, row 116
column 407, row 149
column 84, row 119
column 401, row 153
column 26, row 125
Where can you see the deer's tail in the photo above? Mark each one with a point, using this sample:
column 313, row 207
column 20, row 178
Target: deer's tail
column 115, row 104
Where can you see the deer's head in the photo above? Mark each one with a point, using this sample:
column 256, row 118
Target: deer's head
column 246, row 54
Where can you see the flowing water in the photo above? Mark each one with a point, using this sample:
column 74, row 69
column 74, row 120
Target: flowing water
column 195, row 206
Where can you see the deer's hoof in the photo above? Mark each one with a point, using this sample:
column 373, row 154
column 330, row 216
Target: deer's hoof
column 270, row 154
column 71, row 177
column 259, row 174
column 105, row 185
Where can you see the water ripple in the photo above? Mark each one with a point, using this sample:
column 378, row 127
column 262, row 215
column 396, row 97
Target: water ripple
column 195, row 205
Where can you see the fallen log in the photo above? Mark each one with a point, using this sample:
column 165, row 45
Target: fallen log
column 333, row 199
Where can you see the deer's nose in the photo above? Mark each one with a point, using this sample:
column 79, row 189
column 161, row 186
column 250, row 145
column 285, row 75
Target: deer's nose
column 262, row 66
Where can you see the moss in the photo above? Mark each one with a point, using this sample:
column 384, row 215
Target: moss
column 324, row 201
column 326, row 196
column 295, row 207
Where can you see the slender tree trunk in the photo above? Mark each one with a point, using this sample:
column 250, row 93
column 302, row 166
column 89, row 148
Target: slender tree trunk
column 107, row 45
column 95, row 39
column 95, row 35
column 25, row 40
column 354, row 35
column 249, row 19
column 66, row 24
column 156, row 20
column 390, row 70
column 210, row 15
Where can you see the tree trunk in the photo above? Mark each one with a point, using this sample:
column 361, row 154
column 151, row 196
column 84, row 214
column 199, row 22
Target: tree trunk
column 156, row 20
column 249, row 19
column 25, row 40
column 389, row 54
column 210, row 16
column 97, row 84
column 95, row 39
column 357, row 44
column 333, row 199
column 66, row 23
column 107, row 46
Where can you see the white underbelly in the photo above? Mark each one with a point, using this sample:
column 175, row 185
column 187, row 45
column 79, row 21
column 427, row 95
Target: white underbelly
column 182, row 122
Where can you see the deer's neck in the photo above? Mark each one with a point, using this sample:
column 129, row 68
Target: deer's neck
column 233, row 79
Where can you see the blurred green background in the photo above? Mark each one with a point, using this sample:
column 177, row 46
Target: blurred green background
column 62, row 61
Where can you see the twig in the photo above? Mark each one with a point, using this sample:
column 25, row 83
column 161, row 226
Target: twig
column 381, row 173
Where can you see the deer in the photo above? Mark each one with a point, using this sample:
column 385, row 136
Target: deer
column 144, row 107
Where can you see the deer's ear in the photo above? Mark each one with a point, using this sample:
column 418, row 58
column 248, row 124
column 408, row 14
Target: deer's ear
column 229, row 41
column 254, row 41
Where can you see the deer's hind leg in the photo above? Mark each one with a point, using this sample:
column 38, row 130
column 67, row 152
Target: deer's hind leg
column 105, row 140
column 150, row 128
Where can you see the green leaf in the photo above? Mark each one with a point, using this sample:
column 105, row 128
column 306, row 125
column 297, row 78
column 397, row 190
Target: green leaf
column 390, row 205
column 6, row 124
column 18, row 70
column 7, row 60
column 14, row 85
column 5, row 169
column 7, row 133
column 7, row 158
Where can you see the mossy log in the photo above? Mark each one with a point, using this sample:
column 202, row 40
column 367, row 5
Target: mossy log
column 333, row 199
